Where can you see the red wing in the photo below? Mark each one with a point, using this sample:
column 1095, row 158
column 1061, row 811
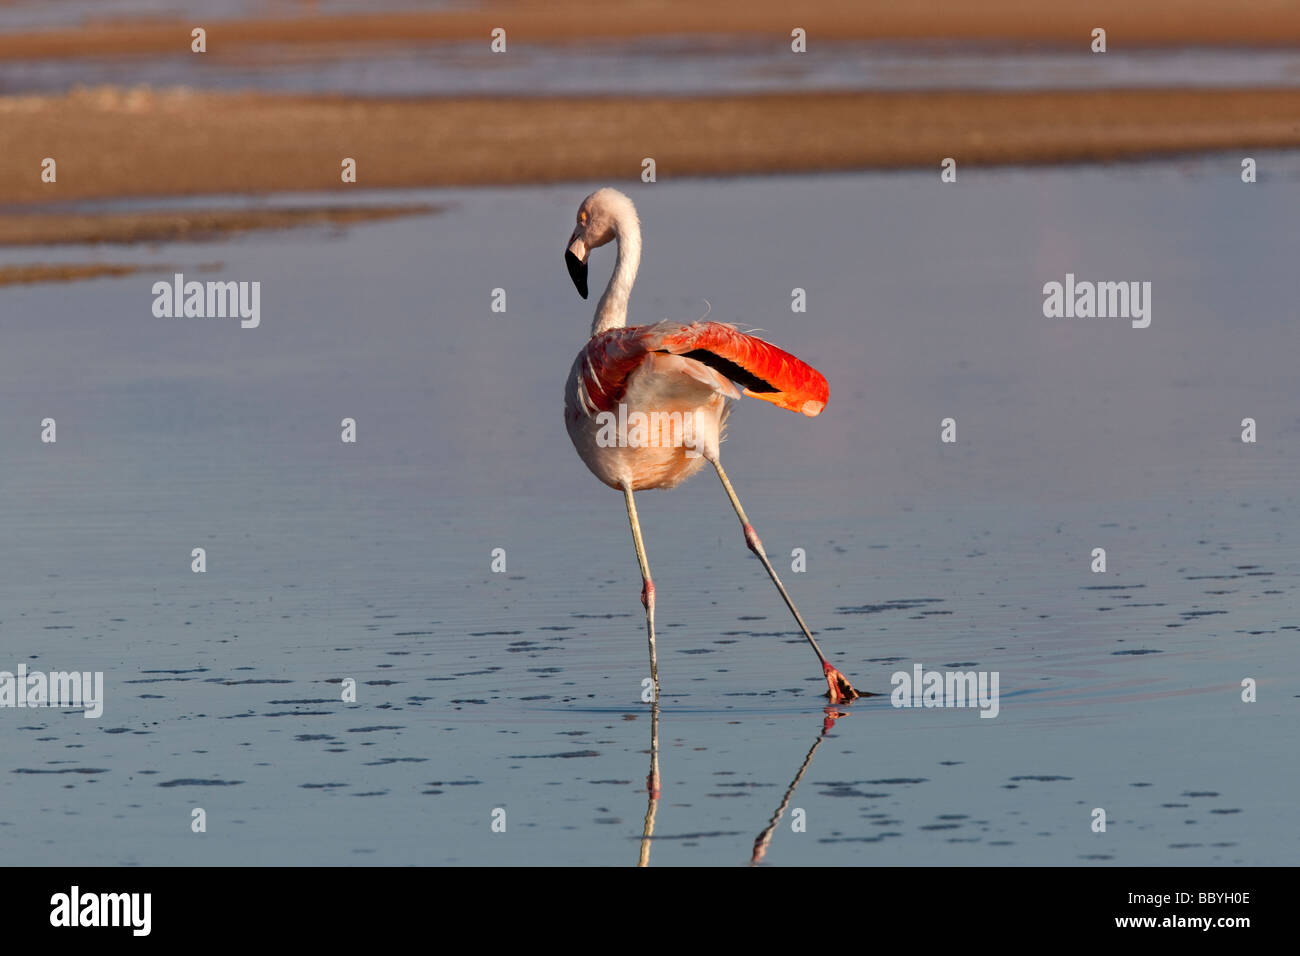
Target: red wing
column 764, row 370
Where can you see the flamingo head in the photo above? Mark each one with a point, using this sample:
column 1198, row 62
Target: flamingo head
column 599, row 219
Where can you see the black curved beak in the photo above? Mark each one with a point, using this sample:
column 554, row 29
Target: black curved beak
column 577, row 272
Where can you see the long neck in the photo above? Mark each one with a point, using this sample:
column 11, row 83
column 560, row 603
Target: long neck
column 611, row 311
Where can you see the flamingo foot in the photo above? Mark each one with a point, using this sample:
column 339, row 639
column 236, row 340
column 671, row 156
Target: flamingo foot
column 840, row 688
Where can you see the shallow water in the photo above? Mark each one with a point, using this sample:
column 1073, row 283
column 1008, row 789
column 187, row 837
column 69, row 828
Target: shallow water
column 671, row 65
column 682, row 65
column 43, row 14
column 521, row 690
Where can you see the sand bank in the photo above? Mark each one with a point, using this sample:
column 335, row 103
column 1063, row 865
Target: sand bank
column 1128, row 24
column 180, row 225
column 118, row 143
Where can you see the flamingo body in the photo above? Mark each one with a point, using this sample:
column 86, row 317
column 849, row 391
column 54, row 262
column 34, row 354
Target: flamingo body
column 673, row 373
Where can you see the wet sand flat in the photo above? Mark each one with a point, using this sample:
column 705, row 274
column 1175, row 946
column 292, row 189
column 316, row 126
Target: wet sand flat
column 59, row 272
column 111, row 142
column 180, row 225
column 1156, row 22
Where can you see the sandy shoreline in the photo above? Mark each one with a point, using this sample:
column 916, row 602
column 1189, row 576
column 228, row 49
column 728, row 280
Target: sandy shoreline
column 1149, row 23
column 65, row 272
column 152, row 144
column 181, row 225
column 120, row 143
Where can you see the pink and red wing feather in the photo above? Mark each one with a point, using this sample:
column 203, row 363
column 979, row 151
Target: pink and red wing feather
column 764, row 370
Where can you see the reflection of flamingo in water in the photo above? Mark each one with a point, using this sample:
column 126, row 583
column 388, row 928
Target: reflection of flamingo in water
column 664, row 370
column 652, row 786
column 764, row 839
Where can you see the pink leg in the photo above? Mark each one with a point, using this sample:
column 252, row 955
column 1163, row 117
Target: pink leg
column 647, row 587
column 839, row 687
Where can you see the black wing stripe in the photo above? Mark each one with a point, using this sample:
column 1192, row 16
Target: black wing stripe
column 728, row 368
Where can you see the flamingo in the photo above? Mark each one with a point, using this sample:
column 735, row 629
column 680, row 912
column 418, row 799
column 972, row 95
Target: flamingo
column 678, row 378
